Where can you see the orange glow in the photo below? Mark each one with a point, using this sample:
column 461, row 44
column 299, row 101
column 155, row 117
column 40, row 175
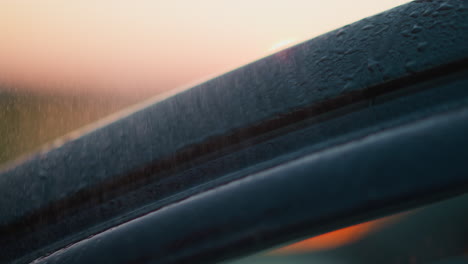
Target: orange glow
column 330, row 240
column 338, row 238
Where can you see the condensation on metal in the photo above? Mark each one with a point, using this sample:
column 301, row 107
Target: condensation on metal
column 315, row 193
column 398, row 44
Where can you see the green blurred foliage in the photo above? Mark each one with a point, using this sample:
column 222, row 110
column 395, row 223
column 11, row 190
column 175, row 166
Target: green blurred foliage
column 28, row 120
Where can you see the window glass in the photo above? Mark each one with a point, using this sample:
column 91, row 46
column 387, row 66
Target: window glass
column 436, row 233
column 64, row 64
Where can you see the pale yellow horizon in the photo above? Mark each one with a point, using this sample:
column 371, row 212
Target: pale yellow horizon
column 141, row 48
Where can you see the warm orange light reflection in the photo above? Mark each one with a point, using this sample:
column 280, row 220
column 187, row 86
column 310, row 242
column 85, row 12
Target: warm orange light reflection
column 336, row 238
column 329, row 240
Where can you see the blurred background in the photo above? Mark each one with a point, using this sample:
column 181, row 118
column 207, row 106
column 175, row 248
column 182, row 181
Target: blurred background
column 65, row 64
column 433, row 234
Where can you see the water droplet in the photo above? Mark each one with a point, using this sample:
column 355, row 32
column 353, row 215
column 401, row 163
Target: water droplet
column 348, row 86
column 373, row 65
column 427, row 12
column 340, row 32
column 422, row 46
column 411, row 66
column 324, row 58
column 406, row 33
column 462, row 7
column 444, row 6
column 340, row 51
column 416, row 29
column 42, row 173
column 414, row 14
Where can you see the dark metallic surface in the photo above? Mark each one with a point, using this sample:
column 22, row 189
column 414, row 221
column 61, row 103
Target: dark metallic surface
column 386, row 71
column 314, row 193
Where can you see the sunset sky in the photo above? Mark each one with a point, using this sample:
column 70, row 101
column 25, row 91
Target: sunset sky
column 144, row 47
